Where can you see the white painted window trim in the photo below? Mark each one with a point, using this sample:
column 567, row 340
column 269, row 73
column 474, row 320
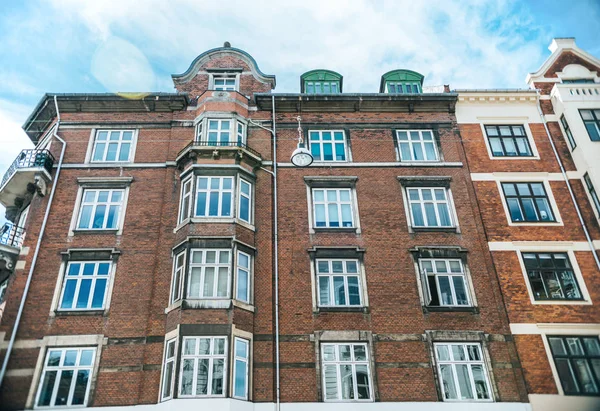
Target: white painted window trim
column 211, row 357
column 80, row 277
column 189, row 180
column 503, row 121
column 451, row 209
column 250, row 197
column 171, row 335
column 250, row 270
column 92, row 144
column 463, row 274
column 212, row 76
column 359, row 274
column 191, row 265
column 233, row 366
column 64, row 341
column 481, row 362
column 546, row 182
column 174, row 367
column 339, row 203
column 319, row 142
column 421, row 141
column 338, row 363
column 576, row 270
column 61, row 279
column 201, row 122
column 232, row 191
column 595, row 209
column 178, row 271
column 78, row 202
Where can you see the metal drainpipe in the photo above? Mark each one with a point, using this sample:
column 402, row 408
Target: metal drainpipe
column 275, row 249
column 37, row 248
column 564, row 173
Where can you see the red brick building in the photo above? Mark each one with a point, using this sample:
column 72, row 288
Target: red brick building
column 534, row 183
column 171, row 257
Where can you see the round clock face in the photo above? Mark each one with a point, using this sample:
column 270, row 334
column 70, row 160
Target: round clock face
column 302, row 159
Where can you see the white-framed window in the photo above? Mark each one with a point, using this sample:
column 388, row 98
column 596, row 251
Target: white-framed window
column 462, row 372
column 3, row 288
column 229, row 131
column 328, row 145
column 214, row 196
column 429, row 207
column 444, row 282
column 113, row 146
column 339, row 283
column 65, row 378
column 178, row 271
column 588, row 184
column 224, row 82
column 528, row 202
column 169, row 370
column 245, row 201
column 85, row 285
column 100, row 209
column 203, row 367
column 240, row 368
column 416, row 145
column 209, row 273
column 332, row 207
column 185, row 207
column 243, row 279
column 346, row 372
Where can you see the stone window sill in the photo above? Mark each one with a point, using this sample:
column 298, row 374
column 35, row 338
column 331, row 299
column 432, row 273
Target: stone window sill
column 435, row 309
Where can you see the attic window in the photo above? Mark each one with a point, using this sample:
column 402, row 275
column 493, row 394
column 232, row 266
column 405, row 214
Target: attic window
column 578, row 81
column 224, row 82
column 401, row 82
column 321, row 82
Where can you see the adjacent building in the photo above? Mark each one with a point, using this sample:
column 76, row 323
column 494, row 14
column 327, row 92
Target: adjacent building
column 229, row 247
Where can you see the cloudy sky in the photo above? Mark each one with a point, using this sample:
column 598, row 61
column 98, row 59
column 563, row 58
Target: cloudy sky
column 135, row 45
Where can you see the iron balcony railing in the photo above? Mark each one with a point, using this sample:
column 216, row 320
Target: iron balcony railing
column 29, row 159
column 12, row 235
column 216, row 144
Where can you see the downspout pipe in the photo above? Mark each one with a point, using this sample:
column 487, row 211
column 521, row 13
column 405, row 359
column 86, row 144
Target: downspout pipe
column 273, row 131
column 37, row 247
column 564, row 173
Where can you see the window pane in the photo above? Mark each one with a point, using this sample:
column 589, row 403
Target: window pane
column 99, row 152
column 464, row 381
column 47, row 387
column 338, row 290
column 80, row 387
column 327, row 152
column 405, row 151
column 98, row 296
column 445, row 291
column 431, row 217
column 64, row 386
column 509, row 145
column 566, row 375
column 515, row 209
column 353, row 291
column 362, row 382
column 213, row 207
column 240, row 379
column 418, row 152
column 84, row 293
column 480, row 383
column 331, row 390
column 86, row 214
column 124, row 153
column 347, row 382
column 459, row 288
column 448, row 382
column 111, row 154
column 187, row 377
column 444, row 215
column 584, row 376
column 202, row 377
column 442, row 353
column 324, row 290
column 430, row 152
column 417, row 215
column 218, row 376
column 68, row 294
column 242, row 286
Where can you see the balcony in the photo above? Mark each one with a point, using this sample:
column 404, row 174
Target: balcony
column 219, row 149
column 30, row 172
column 11, row 240
column 581, row 92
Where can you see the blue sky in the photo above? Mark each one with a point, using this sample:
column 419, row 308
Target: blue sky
column 135, row 45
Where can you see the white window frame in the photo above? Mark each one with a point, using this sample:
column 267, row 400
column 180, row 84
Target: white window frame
column 508, row 122
column 203, row 267
column 196, row 358
column 209, row 190
column 421, row 142
column 245, row 360
column 424, row 275
column 95, row 204
column 166, row 361
column 343, row 274
column 320, row 142
column 237, row 131
column 60, row 368
column 247, row 299
column 186, row 213
column 94, row 144
column 240, row 182
column 448, row 201
column 228, row 76
column 469, row 364
column 178, row 276
column 339, row 204
column 79, row 278
column 338, row 363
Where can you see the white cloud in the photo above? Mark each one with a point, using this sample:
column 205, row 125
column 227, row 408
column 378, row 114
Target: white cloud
column 467, row 43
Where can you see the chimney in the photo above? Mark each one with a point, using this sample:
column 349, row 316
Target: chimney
column 446, row 88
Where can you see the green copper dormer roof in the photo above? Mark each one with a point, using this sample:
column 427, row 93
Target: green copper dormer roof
column 400, row 76
column 321, row 75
